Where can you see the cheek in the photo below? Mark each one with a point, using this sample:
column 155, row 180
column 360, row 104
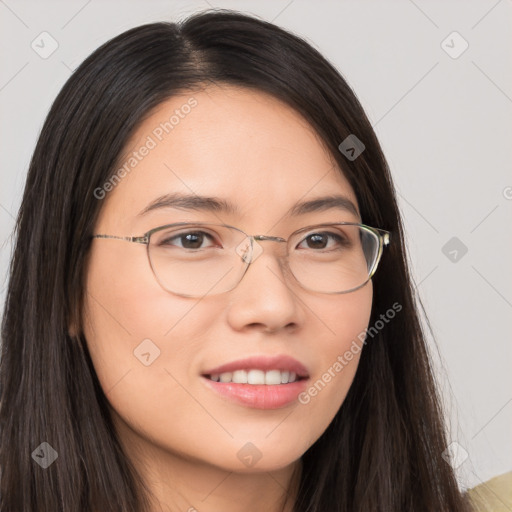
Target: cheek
column 125, row 304
column 137, row 333
column 131, row 325
column 349, row 317
column 338, row 355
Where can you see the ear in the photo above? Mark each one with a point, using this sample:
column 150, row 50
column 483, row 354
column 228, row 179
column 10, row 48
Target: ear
column 73, row 330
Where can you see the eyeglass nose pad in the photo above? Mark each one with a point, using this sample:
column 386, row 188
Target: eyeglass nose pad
column 249, row 250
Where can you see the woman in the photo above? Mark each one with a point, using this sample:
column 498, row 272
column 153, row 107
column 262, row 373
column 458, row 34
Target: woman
column 194, row 318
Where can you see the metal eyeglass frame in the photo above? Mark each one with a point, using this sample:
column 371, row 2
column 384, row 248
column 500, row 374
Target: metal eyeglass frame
column 382, row 235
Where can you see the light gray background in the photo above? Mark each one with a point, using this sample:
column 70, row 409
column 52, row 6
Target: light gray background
column 445, row 127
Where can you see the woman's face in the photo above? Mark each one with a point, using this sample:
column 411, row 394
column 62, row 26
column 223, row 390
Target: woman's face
column 151, row 348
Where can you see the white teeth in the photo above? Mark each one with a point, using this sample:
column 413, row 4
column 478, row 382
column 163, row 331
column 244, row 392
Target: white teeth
column 273, row 377
column 239, row 377
column 256, row 377
column 225, row 377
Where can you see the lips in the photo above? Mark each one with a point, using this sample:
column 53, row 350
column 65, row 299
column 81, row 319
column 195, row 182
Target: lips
column 256, row 395
column 264, row 363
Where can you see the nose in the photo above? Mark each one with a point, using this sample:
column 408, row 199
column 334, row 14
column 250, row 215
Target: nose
column 266, row 298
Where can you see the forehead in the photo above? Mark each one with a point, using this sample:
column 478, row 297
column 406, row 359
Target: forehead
column 237, row 144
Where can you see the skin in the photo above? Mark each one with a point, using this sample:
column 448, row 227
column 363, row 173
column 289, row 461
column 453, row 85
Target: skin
column 249, row 148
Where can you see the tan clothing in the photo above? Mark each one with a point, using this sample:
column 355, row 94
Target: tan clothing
column 495, row 495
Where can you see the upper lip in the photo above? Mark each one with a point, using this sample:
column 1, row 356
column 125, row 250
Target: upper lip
column 264, row 363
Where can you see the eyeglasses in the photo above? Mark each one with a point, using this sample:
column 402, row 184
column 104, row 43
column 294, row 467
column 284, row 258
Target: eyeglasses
column 195, row 259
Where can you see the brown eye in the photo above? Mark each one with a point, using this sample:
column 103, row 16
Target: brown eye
column 322, row 241
column 187, row 240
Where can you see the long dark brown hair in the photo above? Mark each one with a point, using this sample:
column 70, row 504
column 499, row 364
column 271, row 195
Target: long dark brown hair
column 383, row 450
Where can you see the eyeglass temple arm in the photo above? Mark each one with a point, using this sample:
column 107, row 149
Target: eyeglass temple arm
column 136, row 239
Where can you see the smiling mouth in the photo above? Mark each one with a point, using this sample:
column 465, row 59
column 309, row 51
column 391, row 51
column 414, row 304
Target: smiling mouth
column 256, row 377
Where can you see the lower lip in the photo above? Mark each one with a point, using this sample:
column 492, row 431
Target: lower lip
column 259, row 396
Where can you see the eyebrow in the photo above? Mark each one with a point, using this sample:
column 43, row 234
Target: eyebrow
column 215, row 204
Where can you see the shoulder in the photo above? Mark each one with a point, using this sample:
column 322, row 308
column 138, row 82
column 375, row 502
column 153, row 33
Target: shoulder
column 494, row 495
